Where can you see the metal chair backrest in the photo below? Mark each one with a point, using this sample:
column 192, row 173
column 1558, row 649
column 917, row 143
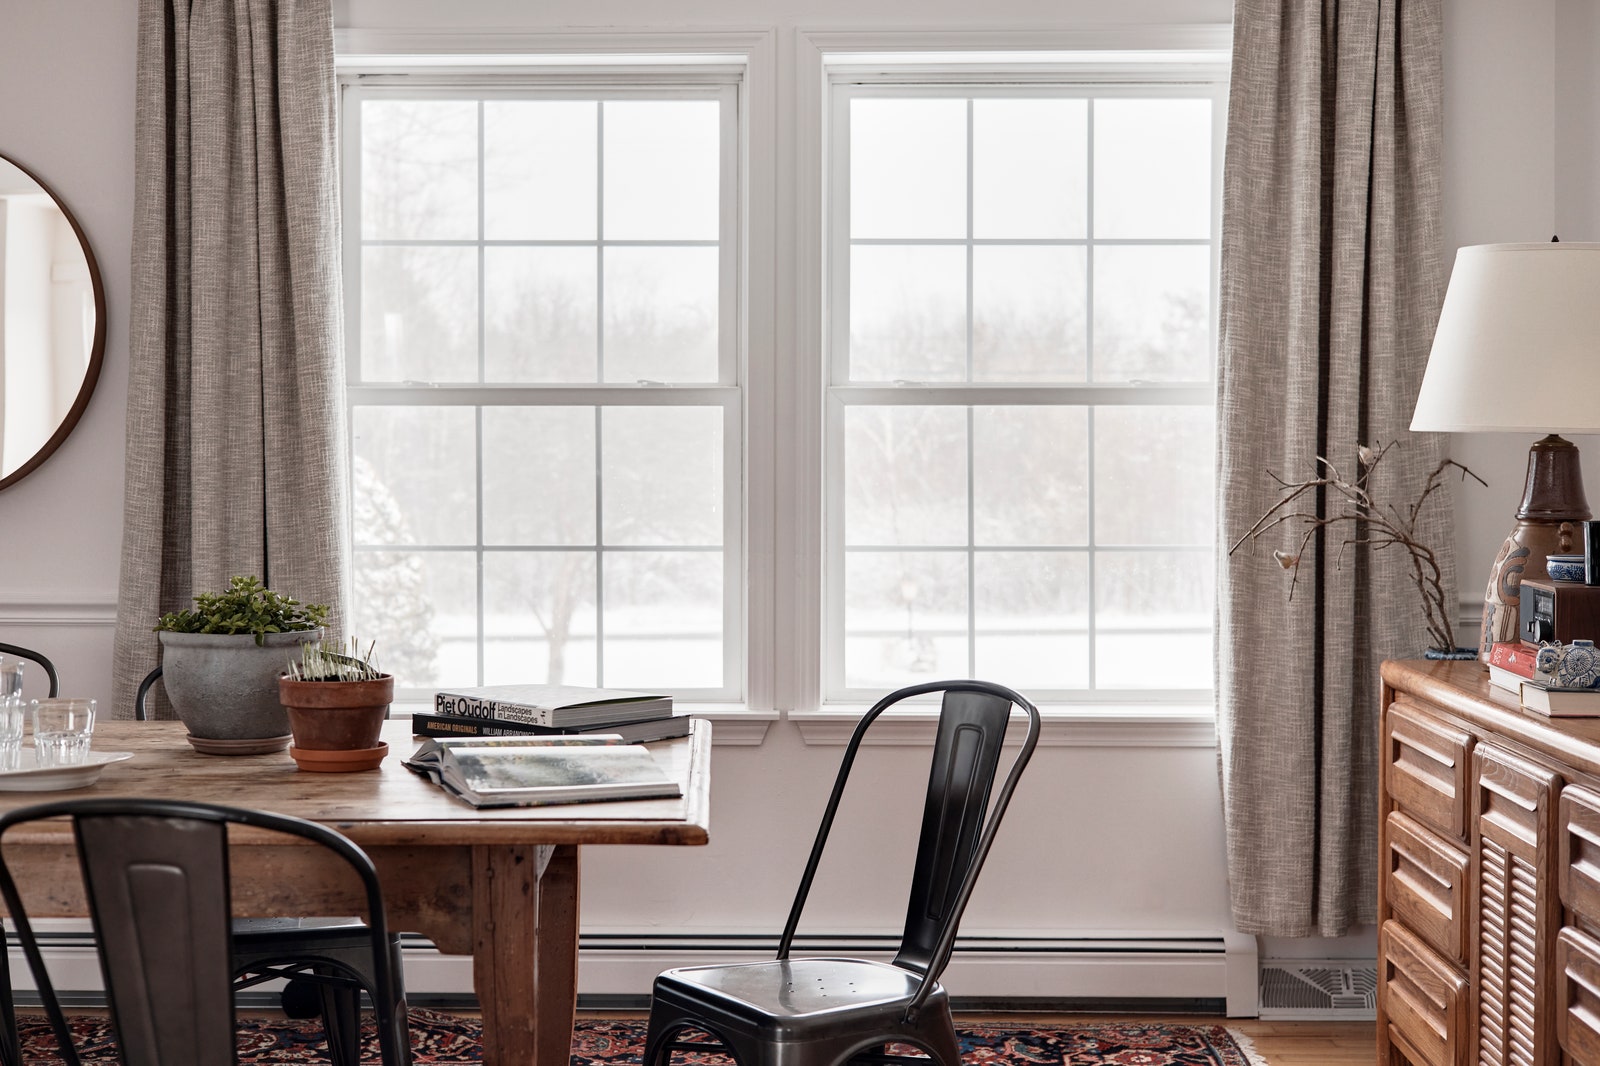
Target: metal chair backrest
column 38, row 657
column 155, row 875
column 958, row 821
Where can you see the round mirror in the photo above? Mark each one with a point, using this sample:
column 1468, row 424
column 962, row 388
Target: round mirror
column 52, row 322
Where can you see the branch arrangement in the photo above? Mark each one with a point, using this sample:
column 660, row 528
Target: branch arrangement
column 1370, row 523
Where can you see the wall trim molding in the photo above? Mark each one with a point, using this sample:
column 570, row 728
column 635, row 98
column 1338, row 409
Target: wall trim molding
column 57, row 611
column 1099, row 729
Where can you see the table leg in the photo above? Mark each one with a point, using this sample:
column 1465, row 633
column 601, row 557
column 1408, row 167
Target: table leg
column 525, row 951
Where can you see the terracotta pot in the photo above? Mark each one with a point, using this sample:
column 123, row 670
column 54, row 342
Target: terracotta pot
column 336, row 715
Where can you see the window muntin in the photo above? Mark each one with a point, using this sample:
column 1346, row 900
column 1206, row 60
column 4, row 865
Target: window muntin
column 1019, row 407
column 545, row 402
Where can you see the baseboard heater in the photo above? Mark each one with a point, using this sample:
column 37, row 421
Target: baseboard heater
column 1202, row 972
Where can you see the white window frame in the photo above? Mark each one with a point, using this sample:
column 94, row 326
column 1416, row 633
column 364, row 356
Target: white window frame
column 603, row 81
column 1191, row 61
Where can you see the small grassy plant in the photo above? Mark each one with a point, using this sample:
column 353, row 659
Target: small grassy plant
column 331, row 662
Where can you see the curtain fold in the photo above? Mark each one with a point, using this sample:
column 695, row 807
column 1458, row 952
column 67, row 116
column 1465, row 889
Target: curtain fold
column 1330, row 289
column 236, row 374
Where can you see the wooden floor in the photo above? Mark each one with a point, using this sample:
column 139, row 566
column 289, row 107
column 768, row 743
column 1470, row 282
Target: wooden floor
column 1279, row 1043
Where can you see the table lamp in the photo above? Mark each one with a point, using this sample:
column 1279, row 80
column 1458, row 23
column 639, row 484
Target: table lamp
column 1518, row 351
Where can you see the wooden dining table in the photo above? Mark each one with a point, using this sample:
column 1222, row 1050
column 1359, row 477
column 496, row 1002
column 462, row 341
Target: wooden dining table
column 500, row 885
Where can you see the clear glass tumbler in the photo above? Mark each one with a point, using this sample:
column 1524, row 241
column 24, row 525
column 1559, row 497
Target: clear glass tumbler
column 62, row 729
column 12, row 712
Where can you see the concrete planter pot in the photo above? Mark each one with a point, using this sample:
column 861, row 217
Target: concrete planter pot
column 224, row 687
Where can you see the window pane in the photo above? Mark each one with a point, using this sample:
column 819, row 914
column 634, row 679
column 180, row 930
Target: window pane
column 419, row 169
column 661, row 475
column 421, row 608
column 908, row 318
column 905, row 475
column 662, row 163
column 419, row 314
column 423, row 469
column 1152, row 313
column 1153, row 471
column 1030, row 475
column 1153, row 619
column 1028, row 320
column 538, row 475
column 905, row 617
column 539, row 618
column 540, row 169
column 1033, row 618
column 663, row 619
column 540, row 311
column 1152, row 168
column 660, row 314
column 1030, row 168
column 908, row 168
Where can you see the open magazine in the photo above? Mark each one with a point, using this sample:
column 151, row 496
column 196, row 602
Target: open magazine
column 530, row 771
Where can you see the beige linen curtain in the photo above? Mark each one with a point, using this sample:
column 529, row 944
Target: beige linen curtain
column 1330, row 289
column 235, row 393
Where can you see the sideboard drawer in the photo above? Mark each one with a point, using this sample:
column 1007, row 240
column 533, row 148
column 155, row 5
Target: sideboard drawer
column 1422, row 997
column 1427, row 769
column 1427, row 887
column 1578, row 996
column 1578, row 868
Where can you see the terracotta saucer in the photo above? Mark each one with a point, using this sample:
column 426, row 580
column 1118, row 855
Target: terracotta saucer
column 339, row 762
column 250, row 746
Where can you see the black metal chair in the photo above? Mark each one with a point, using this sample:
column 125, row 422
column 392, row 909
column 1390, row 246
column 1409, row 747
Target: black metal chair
column 155, row 874
column 38, row 657
column 297, row 949
column 826, row 1011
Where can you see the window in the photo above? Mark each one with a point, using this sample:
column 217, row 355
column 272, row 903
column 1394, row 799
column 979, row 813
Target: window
column 544, row 381
column 1019, row 437
column 607, row 429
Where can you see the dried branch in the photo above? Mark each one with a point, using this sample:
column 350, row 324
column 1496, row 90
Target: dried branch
column 1373, row 526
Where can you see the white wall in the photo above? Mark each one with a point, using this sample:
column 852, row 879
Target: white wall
column 1101, row 837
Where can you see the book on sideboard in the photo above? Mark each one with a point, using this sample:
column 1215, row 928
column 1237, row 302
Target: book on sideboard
column 642, row 731
column 534, row 771
column 551, row 705
column 1512, row 670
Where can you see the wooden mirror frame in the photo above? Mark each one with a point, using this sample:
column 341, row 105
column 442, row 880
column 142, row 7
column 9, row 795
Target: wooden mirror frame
column 97, row 348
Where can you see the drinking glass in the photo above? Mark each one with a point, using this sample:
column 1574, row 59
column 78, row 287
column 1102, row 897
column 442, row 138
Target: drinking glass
column 11, row 712
column 61, row 731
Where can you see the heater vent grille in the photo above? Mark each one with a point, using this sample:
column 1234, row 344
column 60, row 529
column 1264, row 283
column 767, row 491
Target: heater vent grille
column 1309, row 990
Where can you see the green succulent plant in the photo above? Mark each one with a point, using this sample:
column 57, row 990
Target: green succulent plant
column 246, row 606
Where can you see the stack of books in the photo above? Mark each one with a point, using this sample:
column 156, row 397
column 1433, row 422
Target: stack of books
column 1512, row 670
column 551, row 710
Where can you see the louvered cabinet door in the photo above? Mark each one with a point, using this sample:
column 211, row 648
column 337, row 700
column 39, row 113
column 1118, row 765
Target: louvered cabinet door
column 1516, row 909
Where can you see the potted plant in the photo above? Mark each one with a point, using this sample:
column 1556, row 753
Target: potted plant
column 220, row 663
column 337, row 703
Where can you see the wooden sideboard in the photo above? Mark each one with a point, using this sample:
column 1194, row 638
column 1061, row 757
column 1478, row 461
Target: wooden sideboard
column 1488, row 876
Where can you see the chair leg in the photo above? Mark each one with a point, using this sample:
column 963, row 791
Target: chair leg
column 10, row 1039
column 939, row 1032
column 341, row 1021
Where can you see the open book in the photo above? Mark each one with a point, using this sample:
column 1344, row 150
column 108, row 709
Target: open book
column 529, row 771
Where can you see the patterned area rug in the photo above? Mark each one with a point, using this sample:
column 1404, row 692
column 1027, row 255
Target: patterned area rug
column 442, row 1039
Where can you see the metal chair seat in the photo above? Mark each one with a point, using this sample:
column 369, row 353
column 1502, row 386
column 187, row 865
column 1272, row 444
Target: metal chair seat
column 829, row 1011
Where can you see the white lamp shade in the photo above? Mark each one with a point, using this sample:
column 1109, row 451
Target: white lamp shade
column 1518, row 343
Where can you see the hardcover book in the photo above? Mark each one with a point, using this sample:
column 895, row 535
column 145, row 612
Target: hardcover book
column 552, row 705
column 643, row 731
column 532, row 771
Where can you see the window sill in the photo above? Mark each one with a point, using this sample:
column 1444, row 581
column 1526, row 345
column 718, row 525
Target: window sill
column 1077, row 726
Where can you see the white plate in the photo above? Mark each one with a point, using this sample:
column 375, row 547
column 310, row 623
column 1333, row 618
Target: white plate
column 29, row 776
